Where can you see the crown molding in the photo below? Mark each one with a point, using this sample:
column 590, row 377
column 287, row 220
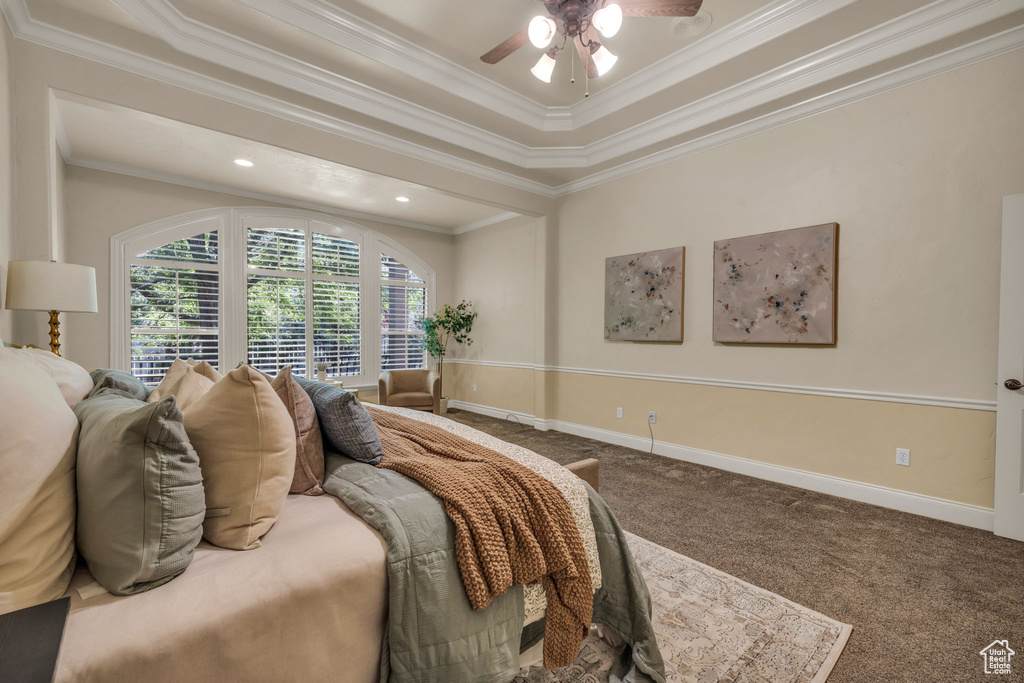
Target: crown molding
column 930, row 21
column 493, row 220
column 24, row 27
column 914, row 30
column 134, row 172
column 980, row 50
column 369, row 40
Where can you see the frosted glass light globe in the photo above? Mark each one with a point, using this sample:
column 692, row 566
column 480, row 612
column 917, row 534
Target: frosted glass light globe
column 541, row 31
column 608, row 20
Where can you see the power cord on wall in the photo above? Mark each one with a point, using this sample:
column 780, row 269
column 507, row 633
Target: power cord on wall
column 512, row 417
column 651, row 428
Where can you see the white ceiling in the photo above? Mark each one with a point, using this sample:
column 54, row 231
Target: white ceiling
column 406, row 73
column 105, row 136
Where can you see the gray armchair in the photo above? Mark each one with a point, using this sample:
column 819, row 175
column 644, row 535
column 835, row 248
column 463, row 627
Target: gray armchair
column 416, row 389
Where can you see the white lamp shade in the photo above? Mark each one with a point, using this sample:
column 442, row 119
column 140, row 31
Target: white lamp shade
column 49, row 286
column 604, row 60
column 608, row 20
column 541, row 31
column 544, row 68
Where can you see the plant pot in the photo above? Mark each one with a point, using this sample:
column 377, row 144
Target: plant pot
column 444, row 406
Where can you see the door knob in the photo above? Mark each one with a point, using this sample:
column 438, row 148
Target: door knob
column 1013, row 384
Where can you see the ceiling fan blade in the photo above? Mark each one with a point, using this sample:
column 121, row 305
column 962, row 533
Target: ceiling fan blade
column 505, row 49
column 585, row 54
column 659, row 8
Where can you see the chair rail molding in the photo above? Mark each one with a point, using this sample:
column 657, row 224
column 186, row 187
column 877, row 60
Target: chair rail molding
column 861, row 394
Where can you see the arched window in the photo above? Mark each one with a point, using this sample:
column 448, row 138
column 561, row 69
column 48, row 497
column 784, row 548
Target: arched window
column 273, row 287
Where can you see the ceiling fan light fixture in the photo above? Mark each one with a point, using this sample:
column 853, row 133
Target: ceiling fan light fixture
column 608, row 20
column 604, row 60
column 544, row 68
column 541, row 31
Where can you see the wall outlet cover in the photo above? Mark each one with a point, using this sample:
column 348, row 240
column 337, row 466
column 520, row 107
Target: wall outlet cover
column 903, row 457
column 618, row 413
column 652, row 417
column 474, row 387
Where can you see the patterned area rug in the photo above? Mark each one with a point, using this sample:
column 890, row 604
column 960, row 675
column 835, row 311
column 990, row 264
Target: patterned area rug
column 712, row 627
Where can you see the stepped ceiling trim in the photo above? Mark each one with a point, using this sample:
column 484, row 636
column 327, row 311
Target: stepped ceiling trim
column 916, row 29
column 350, row 31
column 931, row 20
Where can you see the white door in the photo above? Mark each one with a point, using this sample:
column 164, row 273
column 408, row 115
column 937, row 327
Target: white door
column 1009, row 501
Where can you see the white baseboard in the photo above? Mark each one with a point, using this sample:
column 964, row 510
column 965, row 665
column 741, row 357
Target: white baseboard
column 927, row 506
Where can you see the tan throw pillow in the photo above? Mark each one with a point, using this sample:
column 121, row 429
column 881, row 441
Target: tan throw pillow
column 184, row 382
column 245, row 440
column 38, row 435
column 205, row 369
column 72, row 379
column 309, row 453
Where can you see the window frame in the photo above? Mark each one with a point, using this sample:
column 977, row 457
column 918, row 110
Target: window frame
column 231, row 225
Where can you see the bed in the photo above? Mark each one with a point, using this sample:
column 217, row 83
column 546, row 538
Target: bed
column 360, row 585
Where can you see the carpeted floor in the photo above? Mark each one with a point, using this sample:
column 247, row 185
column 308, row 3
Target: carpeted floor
column 923, row 596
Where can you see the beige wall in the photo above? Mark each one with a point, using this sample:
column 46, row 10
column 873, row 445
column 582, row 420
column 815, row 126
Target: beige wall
column 495, row 269
column 915, row 178
column 6, row 175
column 104, row 204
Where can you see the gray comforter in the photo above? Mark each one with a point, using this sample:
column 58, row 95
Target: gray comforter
column 433, row 636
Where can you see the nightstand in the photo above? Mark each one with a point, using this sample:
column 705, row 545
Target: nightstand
column 30, row 642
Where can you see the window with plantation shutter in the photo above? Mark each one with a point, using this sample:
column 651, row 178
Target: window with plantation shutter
column 272, row 287
column 403, row 299
column 174, row 305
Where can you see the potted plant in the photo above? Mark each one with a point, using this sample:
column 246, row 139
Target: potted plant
column 450, row 324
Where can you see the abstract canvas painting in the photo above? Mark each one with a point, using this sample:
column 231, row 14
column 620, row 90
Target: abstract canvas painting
column 777, row 288
column 644, row 296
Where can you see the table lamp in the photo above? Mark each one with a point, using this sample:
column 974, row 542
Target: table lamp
column 51, row 286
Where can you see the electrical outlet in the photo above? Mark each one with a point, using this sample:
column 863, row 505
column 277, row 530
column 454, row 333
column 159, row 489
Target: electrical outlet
column 618, row 413
column 652, row 417
column 474, row 387
column 903, row 457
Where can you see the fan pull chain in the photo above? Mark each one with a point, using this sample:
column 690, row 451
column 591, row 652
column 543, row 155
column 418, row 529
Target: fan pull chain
column 572, row 60
column 586, row 82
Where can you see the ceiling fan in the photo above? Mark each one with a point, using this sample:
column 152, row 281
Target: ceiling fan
column 581, row 21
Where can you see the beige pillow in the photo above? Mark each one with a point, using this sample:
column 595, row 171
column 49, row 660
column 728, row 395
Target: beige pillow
column 183, row 382
column 245, row 440
column 205, row 369
column 309, row 453
column 72, row 379
column 38, row 435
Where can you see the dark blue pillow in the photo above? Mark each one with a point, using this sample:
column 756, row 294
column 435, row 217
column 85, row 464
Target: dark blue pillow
column 344, row 421
column 120, row 381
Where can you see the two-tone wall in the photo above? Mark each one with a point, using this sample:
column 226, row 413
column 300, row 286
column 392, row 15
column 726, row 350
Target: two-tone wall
column 915, row 178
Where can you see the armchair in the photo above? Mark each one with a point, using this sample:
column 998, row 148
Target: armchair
column 416, row 389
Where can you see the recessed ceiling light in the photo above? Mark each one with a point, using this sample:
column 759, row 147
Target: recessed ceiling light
column 401, row 199
column 243, row 162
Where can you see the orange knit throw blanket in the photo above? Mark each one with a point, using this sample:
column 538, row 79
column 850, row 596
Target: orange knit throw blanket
column 512, row 526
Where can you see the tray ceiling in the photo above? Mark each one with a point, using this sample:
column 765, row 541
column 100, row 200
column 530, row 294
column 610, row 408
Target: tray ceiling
column 407, row 71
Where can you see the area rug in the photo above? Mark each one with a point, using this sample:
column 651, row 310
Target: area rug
column 713, row 627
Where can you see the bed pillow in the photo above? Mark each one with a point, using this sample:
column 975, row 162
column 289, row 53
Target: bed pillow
column 344, row 421
column 183, row 382
column 140, row 491
column 72, row 379
column 245, row 440
column 205, row 369
column 309, row 444
column 118, row 380
column 38, row 433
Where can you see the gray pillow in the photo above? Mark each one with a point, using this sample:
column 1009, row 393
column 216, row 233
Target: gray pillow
column 344, row 421
column 122, row 381
column 140, row 491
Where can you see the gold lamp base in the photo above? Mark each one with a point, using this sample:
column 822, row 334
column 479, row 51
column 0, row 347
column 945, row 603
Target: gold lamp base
column 55, row 332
